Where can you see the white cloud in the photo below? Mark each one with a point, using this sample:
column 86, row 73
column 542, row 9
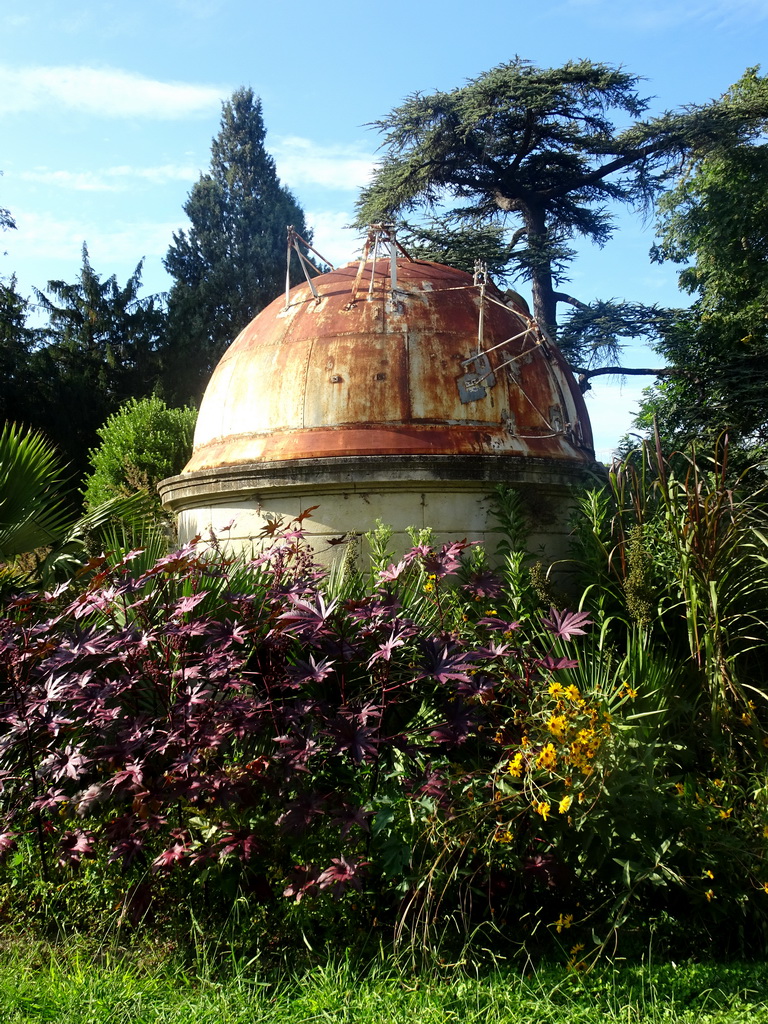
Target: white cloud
column 78, row 181
column 331, row 236
column 303, row 162
column 105, row 92
column 43, row 238
column 111, row 179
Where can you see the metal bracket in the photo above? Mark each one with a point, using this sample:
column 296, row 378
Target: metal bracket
column 474, row 384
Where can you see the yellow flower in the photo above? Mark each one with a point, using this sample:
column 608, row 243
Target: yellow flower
column 726, row 813
column 680, row 788
column 746, row 718
column 708, row 874
column 515, row 766
column 428, row 587
column 557, row 725
column 577, row 948
column 630, row 692
column 547, row 758
column 710, row 895
column 718, row 783
column 542, row 807
column 503, row 837
column 572, row 692
column 765, row 831
column 564, row 804
column 765, row 886
column 564, row 921
column 555, row 689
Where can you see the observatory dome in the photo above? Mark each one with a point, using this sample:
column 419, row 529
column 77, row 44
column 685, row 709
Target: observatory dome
column 391, row 388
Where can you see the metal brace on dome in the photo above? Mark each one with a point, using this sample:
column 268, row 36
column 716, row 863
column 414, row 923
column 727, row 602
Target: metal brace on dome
column 480, row 279
column 474, row 383
column 386, row 234
column 294, row 241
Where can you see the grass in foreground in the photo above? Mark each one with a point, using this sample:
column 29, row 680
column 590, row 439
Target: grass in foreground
column 69, row 984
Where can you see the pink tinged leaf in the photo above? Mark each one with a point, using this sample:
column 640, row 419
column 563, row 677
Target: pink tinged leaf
column 73, row 846
column 553, row 664
column 127, row 851
column 89, row 798
column 7, row 843
column 566, row 624
column 312, row 671
column 303, row 879
column 132, row 777
column 484, row 584
column 341, row 874
column 168, row 858
column 385, row 650
column 187, row 604
column 392, row 572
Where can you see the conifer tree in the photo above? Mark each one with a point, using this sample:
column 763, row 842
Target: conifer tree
column 17, row 391
column 543, row 152
column 230, row 262
column 100, row 347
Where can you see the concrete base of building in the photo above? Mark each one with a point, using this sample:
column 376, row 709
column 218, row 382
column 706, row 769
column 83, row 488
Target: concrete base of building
column 347, row 495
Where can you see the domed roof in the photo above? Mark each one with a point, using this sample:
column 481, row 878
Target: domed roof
column 391, row 358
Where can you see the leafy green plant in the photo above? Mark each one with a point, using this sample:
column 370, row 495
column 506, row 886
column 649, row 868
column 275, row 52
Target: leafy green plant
column 141, row 444
column 37, row 516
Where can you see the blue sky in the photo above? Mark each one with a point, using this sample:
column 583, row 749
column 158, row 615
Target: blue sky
column 107, row 111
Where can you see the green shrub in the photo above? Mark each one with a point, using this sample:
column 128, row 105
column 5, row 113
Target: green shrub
column 141, row 444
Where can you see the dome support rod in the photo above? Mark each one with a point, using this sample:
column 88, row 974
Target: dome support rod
column 294, row 239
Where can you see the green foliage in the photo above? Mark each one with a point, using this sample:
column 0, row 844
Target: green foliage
column 74, row 982
column 100, row 347
column 678, row 547
column 142, row 443
column 716, row 222
column 231, row 262
column 42, row 539
column 34, row 511
column 542, row 146
column 18, row 391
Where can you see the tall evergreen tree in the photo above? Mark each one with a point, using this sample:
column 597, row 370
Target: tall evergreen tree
column 230, row 262
column 541, row 152
column 17, row 390
column 100, row 347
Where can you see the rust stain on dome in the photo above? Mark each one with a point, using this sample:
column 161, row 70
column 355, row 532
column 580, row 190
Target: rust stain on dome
column 365, row 369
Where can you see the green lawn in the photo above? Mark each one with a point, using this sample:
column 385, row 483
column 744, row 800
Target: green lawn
column 72, row 986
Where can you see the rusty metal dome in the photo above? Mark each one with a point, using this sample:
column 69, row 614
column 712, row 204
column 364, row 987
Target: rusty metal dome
column 391, row 357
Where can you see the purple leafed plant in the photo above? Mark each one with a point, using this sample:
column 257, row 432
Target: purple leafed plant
column 203, row 713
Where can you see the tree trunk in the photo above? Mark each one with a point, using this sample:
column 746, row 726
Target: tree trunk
column 544, row 301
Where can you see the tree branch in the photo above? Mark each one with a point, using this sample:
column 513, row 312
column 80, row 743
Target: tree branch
column 564, row 297
column 584, row 375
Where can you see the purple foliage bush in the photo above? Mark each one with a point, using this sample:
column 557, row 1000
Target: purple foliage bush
column 412, row 755
column 210, row 719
